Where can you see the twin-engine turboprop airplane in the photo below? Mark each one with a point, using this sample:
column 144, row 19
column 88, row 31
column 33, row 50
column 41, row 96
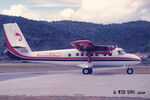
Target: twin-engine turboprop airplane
column 85, row 54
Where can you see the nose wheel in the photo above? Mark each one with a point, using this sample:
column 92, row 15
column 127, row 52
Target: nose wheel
column 87, row 71
column 130, row 71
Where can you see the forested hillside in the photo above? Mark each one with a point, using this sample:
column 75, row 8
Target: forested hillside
column 42, row 35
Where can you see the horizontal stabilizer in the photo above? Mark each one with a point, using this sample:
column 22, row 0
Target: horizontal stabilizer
column 18, row 47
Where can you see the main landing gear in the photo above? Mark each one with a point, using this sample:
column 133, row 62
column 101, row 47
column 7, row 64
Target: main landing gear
column 130, row 71
column 87, row 71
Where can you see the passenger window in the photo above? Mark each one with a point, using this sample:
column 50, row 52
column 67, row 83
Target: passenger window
column 69, row 55
column 104, row 54
column 86, row 54
column 77, row 54
column 120, row 53
column 82, row 54
column 91, row 54
column 110, row 54
column 96, row 54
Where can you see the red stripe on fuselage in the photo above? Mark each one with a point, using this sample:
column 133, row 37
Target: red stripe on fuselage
column 72, row 58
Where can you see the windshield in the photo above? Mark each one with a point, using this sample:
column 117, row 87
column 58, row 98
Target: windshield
column 121, row 52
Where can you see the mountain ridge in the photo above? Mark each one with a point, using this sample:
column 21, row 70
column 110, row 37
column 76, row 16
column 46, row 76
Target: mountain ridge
column 41, row 35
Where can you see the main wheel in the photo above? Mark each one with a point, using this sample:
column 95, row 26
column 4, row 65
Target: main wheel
column 130, row 71
column 87, row 71
column 91, row 70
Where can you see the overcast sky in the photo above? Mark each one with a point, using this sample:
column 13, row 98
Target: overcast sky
column 97, row 11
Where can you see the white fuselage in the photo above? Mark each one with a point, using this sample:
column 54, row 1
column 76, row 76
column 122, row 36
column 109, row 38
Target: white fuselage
column 73, row 57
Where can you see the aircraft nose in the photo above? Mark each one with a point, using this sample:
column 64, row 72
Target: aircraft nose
column 139, row 58
column 136, row 57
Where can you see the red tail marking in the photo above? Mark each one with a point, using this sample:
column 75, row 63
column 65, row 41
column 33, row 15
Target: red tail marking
column 19, row 35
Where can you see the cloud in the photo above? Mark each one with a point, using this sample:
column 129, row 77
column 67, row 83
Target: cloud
column 112, row 11
column 97, row 11
column 20, row 10
column 145, row 15
column 56, row 3
column 53, row 5
column 67, row 13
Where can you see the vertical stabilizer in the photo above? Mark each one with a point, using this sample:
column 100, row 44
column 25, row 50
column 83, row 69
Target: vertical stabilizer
column 15, row 38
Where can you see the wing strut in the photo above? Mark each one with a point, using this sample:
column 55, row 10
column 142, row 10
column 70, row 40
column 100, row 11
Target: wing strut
column 89, row 57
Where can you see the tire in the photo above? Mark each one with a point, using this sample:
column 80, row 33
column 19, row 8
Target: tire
column 86, row 71
column 130, row 71
column 90, row 70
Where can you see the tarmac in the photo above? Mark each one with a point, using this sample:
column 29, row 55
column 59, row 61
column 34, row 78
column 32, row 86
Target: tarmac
column 74, row 83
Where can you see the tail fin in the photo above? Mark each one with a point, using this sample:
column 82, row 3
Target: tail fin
column 15, row 39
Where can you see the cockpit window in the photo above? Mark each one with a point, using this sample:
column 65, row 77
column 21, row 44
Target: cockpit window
column 121, row 52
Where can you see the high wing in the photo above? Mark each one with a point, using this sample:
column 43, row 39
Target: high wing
column 83, row 45
column 88, row 46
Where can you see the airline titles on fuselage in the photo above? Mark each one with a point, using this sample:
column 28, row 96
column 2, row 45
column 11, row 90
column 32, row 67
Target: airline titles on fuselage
column 48, row 54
